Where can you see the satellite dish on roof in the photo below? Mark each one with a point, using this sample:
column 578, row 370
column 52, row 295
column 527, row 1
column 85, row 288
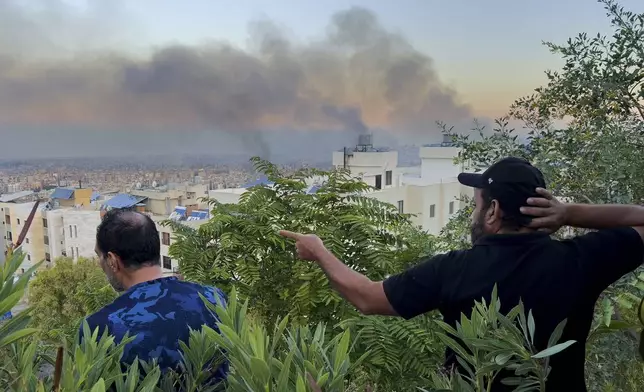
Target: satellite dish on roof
column 138, row 185
column 154, row 184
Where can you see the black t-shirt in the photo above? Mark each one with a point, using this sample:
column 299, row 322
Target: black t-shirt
column 557, row 280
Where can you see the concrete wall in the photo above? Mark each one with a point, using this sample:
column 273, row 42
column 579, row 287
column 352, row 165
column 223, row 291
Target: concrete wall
column 4, row 228
column 33, row 245
column 165, row 248
column 55, row 233
column 419, row 199
column 226, row 196
column 79, row 227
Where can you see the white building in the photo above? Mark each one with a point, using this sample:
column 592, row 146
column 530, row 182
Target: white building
column 71, row 231
column 431, row 191
column 54, row 238
column 79, row 232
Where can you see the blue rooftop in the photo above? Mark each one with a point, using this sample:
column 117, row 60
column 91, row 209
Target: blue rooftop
column 123, row 200
column 262, row 181
column 62, row 193
column 313, row 189
column 198, row 215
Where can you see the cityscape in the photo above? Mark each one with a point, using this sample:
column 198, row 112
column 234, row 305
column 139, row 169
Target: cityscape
column 72, row 195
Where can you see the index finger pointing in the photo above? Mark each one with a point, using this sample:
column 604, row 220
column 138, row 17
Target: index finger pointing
column 290, row 234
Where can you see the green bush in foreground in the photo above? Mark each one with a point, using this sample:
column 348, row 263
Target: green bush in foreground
column 286, row 358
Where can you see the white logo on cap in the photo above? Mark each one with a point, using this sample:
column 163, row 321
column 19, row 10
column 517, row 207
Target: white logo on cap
column 489, row 180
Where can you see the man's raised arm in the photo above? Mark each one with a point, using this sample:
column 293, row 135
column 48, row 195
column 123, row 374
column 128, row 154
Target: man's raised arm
column 551, row 213
column 366, row 295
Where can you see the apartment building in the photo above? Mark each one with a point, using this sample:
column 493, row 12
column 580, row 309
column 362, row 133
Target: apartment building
column 65, row 222
column 163, row 200
column 14, row 212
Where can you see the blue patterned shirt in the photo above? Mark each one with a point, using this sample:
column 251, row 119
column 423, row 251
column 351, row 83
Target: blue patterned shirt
column 160, row 313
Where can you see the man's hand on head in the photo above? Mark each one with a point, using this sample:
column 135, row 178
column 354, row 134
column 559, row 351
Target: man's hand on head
column 548, row 212
column 309, row 246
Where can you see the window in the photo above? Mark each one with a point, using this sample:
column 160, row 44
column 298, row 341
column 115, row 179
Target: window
column 64, row 253
column 18, row 220
column 388, row 177
column 72, row 252
column 378, row 181
column 432, row 210
column 401, row 206
column 47, row 257
column 7, row 219
column 29, row 257
column 77, row 254
column 451, row 207
column 46, row 240
column 75, row 231
column 167, row 262
column 70, row 231
column 9, row 236
column 27, row 240
column 165, row 238
column 44, row 222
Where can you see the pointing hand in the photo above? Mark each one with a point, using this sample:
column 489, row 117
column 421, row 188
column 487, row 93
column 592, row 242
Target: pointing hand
column 309, row 246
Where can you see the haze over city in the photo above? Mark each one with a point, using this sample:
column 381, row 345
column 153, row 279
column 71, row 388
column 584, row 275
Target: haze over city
column 114, row 78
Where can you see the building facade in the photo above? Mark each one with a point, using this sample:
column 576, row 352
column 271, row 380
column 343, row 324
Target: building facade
column 430, row 191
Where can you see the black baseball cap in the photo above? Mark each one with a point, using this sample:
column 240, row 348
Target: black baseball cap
column 511, row 181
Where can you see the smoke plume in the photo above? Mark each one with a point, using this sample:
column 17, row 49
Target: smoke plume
column 357, row 77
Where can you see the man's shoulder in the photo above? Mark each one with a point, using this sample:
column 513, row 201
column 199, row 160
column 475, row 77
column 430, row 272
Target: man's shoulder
column 101, row 318
column 182, row 290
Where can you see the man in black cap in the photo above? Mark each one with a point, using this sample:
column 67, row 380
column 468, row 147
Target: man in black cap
column 512, row 249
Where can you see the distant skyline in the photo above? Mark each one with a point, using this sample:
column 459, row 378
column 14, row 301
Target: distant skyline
column 117, row 77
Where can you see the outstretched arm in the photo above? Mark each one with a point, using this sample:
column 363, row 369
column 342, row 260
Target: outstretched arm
column 363, row 293
column 366, row 295
column 412, row 292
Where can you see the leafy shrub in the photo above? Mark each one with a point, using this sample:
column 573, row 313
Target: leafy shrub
column 63, row 295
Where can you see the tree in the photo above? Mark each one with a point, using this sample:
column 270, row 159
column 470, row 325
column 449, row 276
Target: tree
column 240, row 244
column 60, row 297
column 240, row 247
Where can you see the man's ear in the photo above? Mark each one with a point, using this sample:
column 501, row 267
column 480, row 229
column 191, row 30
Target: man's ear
column 493, row 213
column 114, row 262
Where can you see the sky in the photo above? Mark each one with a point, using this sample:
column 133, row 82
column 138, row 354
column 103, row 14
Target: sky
column 105, row 76
column 489, row 51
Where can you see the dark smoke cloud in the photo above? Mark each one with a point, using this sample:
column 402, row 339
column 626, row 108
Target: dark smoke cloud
column 358, row 77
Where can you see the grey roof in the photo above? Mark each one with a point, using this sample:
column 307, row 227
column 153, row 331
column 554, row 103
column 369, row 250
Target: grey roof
column 62, row 193
column 124, row 200
column 9, row 197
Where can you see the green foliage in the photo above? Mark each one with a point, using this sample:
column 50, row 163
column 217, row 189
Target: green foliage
column 11, row 292
column 493, row 342
column 402, row 354
column 602, row 79
column 63, row 295
column 240, row 244
column 457, row 234
column 279, row 361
